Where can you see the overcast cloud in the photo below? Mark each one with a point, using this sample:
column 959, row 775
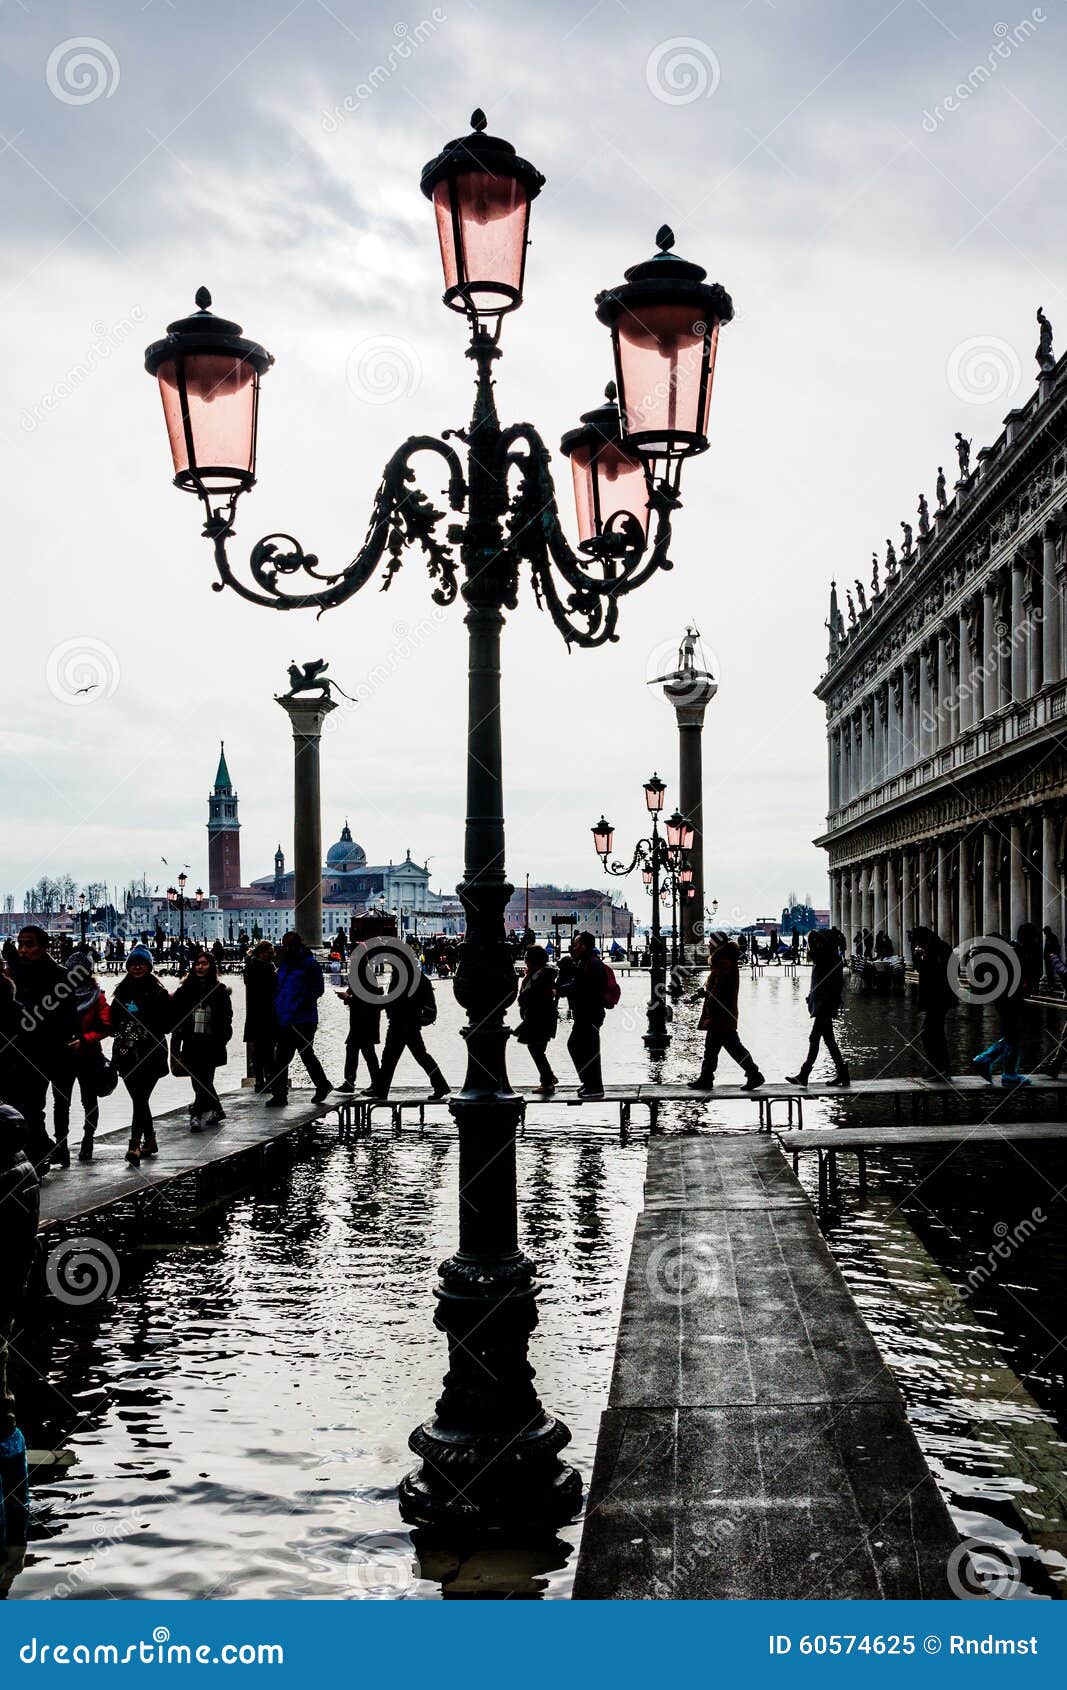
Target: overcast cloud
column 880, row 187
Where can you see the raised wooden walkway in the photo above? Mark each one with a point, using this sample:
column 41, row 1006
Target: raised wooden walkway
column 249, row 1131
column 827, row 1142
column 755, row 1445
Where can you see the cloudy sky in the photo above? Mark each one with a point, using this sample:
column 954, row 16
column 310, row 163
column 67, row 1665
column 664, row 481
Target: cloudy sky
column 881, row 187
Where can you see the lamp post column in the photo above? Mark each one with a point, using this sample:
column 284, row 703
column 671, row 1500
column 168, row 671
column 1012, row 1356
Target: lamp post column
column 306, row 716
column 690, row 691
column 657, row 1039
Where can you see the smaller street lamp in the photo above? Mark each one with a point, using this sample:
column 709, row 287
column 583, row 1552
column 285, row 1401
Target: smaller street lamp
column 653, row 856
column 83, row 916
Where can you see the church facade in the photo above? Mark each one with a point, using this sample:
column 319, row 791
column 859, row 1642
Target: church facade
column 946, row 700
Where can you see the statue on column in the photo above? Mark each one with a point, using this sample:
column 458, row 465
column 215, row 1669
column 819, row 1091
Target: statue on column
column 1046, row 358
column 924, row 516
column 687, row 652
column 905, row 550
column 942, row 501
column 312, row 677
column 963, row 453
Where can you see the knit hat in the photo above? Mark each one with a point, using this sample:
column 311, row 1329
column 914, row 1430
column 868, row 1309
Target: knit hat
column 139, row 953
column 717, row 938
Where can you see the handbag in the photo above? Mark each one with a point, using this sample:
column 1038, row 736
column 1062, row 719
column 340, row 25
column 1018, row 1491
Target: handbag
column 105, row 1075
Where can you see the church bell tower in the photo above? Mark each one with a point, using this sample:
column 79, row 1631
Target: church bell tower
column 223, row 833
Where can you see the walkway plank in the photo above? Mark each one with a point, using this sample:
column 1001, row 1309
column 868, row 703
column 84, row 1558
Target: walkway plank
column 946, row 1137
column 755, row 1445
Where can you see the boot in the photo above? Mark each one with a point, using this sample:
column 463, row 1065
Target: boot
column 133, row 1154
column 61, row 1154
column 841, row 1078
column 150, row 1147
column 440, row 1086
column 753, row 1080
column 800, row 1079
column 85, row 1151
column 703, row 1082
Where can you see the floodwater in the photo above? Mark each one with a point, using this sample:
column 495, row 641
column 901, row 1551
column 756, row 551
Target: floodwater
column 233, row 1422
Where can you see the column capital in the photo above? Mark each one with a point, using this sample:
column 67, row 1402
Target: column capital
column 306, row 715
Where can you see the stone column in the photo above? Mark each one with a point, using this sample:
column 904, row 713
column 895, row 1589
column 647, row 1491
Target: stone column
column 306, row 716
column 991, row 919
column 1017, row 879
column 1051, row 901
column 907, row 893
column 924, row 900
column 990, row 662
column 943, row 729
column 963, row 669
column 690, row 691
column 1051, row 609
column 944, row 892
column 965, row 923
column 892, row 900
column 908, row 685
column 893, row 745
column 927, row 713
column 1034, row 620
column 1019, row 675
column 832, row 751
column 877, row 896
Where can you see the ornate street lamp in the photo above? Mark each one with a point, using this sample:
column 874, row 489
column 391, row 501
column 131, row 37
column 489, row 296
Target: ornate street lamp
column 664, row 320
column 679, row 833
column 612, row 490
column 490, row 1453
column 653, row 855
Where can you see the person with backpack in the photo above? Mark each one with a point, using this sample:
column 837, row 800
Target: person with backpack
column 95, row 1075
column 298, row 988
column 363, row 1000
column 932, row 956
column 718, row 1018
column 1010, row 1005
column 141, row 1016
column 590, row 988
column 203, row 1025
column 824, row 1002
column 538, row 1013
column 407, row 1012
column 261, row 1023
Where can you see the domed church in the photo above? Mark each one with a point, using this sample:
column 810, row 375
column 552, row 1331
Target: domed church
column 348, row 878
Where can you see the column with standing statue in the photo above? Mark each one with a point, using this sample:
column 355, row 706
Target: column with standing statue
column 307, row 704
column 690, row 688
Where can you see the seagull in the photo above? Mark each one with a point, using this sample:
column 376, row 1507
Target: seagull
column 90, row 688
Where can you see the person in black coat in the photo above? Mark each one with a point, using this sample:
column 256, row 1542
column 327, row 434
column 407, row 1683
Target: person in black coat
column 409, row 1007
column 20, row 1202
column 261, row 1023
column 583, row 986
column 45, row 1032
column 202, row 1019
column 931, row 957
column 824, row 1002
column 538, row 1014
column 364, row 1004
column 141, row 1017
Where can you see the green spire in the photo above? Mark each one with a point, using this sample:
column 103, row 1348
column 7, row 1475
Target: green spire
column 222, row 777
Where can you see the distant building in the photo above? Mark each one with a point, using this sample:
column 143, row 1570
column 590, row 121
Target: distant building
column 223, row 833
column 596, row 912
column 803, row 916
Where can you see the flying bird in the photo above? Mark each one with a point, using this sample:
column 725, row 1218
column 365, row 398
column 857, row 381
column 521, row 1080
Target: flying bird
column 90, row 688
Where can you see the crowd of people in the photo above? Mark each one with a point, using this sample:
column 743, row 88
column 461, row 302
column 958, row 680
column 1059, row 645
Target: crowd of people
column 57, row 1022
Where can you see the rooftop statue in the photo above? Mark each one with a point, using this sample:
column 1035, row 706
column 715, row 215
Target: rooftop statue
column 924, row 515
column 1046, row 358
column 905, row 550
column 963, row 453
column 941, row 499
column 851, row 607
column 862, row 596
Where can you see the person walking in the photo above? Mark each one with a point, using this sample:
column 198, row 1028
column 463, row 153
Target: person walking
column 299, row 987
column 824, row 1002
column 20, row 1203
column 719, row 1016
column 94, row 1074
column 261, row 1024
column 45, row 1030
column 364, row 1004
column 141, row 1011
column 538, row 1014
column 584, row 985
column 406, row 1014
column 931, row 956
column 202, row 1022
column 1005, row 1052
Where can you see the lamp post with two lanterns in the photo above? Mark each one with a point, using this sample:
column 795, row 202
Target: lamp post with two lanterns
column 658, row 854
column 178, row 901
column 490, row 1453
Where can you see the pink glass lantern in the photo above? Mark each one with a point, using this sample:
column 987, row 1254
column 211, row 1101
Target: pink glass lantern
column 481, row 192
column 603, row 836
column 664, row 322
column 610, row 482
column 654, row 790
column 208, row 378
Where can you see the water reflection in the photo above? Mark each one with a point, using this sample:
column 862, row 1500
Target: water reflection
column 239, row 1415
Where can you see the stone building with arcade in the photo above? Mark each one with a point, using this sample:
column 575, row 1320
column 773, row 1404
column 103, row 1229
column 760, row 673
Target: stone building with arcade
column 946, row 698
